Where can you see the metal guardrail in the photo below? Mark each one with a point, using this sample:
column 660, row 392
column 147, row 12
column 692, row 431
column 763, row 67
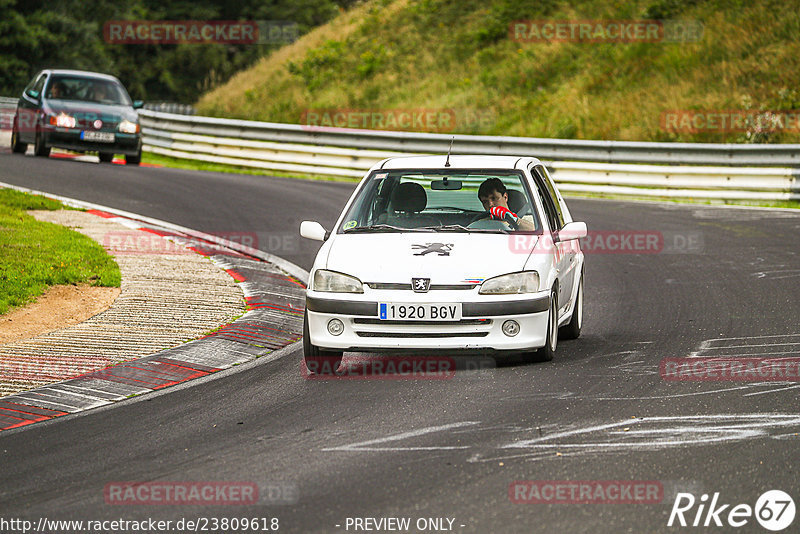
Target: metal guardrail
column 344, row 152
column 550, row 149
column 170, row 107
column 578, row 166
column 8, row 107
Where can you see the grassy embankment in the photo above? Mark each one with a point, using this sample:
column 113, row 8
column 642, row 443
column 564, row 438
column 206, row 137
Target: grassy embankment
column 438, row 54
column 35, row 255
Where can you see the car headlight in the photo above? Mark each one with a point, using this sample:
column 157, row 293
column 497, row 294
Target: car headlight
column 334, row 282
column 511, row 284
column 128, row 127
column 62, row 120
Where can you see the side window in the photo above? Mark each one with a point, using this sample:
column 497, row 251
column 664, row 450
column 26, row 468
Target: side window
column 551, row 190
column 39, row 85
column 550, row 210
column 557, row 198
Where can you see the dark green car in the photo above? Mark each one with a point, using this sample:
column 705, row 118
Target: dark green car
column 80, row 111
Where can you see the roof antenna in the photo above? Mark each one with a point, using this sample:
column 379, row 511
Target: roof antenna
column 447, row 162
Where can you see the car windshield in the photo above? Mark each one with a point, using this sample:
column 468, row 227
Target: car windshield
column 437, row 201
column 85, row 89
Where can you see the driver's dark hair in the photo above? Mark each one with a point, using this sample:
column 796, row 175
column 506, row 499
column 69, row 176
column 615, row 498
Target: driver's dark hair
column 491, row 185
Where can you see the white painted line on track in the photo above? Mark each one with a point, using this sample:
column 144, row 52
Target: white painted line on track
column 365, row 445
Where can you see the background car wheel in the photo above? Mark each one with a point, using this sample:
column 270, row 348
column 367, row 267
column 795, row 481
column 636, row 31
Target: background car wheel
column 16, row 146
column 39, row 148
column 546, row 353
column 134, row 160
column 572, row 330
column 105, row 157
column 318, row 361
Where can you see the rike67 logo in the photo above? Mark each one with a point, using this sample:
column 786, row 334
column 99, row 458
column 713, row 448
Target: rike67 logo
column 774, row 510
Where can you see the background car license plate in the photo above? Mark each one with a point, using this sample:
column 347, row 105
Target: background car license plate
column 100, row 137
column 393, row 311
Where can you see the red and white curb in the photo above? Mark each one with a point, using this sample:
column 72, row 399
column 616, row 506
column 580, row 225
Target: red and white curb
column 274, row 290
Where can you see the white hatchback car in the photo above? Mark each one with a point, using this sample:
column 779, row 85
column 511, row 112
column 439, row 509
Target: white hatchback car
column 455, row 253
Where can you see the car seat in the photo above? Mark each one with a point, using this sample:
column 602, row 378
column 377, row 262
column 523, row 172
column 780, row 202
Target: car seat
column 407, row 201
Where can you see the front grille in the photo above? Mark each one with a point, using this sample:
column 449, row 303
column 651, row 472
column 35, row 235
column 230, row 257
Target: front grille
column 422, row 335
column 480, row 322
column 407, row 287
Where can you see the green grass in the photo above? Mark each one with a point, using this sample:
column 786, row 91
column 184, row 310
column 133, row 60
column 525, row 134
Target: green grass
column 35, row 255
column 440, row 54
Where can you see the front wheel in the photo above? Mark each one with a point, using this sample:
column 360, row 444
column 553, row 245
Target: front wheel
column 17, row 147
column 105, row 157
column 39, row 147
column 134, row 159
column 572, row 330
column 317, row 360
column 546, row 353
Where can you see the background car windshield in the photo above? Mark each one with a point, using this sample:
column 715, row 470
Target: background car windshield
column 87, row 90
column 421, row 199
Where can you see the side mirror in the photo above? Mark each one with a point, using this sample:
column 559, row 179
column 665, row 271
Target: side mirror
column 33, row 94
column 572, row 231
column 313, row 230
column 138, row 104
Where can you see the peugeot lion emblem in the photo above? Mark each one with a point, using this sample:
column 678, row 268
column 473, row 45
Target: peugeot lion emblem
column 441, row 249
column 421, row 285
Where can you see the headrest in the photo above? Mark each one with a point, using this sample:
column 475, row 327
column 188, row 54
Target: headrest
column 516, row 200
column 409, row 197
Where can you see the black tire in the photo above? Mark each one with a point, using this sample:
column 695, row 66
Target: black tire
column 39, row 148
column 318, row 361
column 546, row 353
column 17, row 147
column 105, row 157
column 135, row 159
column 572, row 330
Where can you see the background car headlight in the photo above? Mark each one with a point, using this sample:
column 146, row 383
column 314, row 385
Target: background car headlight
column 128, row 127
column 336, row 282
column 62, row 120
column 511, row 284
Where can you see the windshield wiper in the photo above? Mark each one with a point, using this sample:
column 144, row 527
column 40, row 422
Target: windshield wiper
column 460, row 228
column 384, row 228
column 449, row 228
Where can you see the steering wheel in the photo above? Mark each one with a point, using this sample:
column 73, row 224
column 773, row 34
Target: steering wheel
column 487, row 215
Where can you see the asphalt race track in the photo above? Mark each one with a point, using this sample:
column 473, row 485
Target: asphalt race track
column 341, row 449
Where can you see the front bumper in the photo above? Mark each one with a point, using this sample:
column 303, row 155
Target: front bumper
column 480, row 328
column 70, row 139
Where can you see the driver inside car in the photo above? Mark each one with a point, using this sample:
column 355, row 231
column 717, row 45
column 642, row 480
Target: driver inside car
column 493, row 194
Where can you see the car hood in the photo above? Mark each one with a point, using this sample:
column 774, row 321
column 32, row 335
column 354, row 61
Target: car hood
column 444, row 257
column 91, row 110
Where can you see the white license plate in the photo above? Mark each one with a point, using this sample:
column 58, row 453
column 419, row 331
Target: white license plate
column 100, row 137
column 394, row 311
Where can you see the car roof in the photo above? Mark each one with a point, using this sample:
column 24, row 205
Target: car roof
column 82, row 73
column 457, row 162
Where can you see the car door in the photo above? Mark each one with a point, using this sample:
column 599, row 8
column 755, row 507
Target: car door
column 564, row 251
column 28, row 109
